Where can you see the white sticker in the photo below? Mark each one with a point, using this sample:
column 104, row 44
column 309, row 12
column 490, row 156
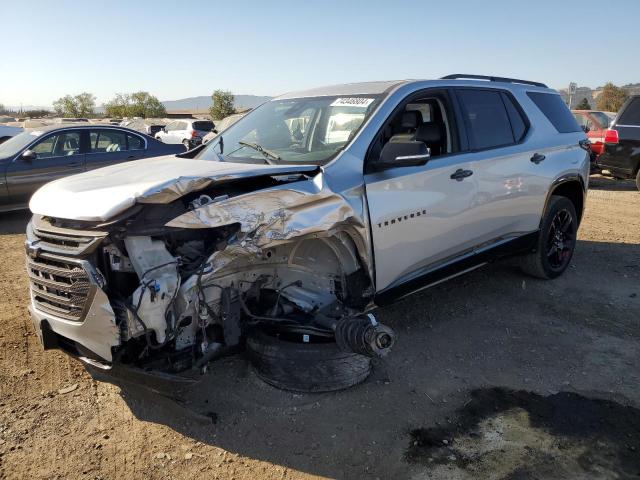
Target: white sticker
column 360, row 102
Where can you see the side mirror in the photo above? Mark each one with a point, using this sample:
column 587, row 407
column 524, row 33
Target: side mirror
column 585, row 129
column 28, row 156
column 403, row 154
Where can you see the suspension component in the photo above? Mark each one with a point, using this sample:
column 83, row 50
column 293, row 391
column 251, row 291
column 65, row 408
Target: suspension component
column 363, row 334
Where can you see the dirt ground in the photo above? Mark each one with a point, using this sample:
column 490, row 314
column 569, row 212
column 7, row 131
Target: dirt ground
column 495, row 375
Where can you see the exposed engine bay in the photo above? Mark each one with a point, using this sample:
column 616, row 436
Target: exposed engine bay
column 184, row 281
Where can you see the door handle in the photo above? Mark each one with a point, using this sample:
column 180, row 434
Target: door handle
column 537, row 158
column 461, row 174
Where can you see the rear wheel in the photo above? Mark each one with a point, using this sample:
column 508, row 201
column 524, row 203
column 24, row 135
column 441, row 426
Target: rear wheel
column 186, row 144
column 556, row 242
column 285, row 361
column 638, row 180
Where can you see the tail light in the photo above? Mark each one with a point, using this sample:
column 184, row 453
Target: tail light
column 194, row 134
column 611, row 136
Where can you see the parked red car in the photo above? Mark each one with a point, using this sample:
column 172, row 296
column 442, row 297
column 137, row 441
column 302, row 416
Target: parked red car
column 595, row 124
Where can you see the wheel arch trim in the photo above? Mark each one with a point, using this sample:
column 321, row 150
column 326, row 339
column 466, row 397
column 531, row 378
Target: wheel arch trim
column 560, row 186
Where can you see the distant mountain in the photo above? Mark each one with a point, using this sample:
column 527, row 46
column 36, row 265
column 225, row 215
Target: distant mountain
column 203, row 103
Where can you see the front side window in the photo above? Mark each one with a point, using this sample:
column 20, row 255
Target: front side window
column 301, row 130
column 486, row 118
column 59, row 145
column 105, row 141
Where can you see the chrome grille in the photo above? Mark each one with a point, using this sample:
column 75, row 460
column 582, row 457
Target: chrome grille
column 59, row 286
column 65, row 243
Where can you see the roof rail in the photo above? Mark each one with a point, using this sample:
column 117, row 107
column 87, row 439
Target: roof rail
column 493, row 79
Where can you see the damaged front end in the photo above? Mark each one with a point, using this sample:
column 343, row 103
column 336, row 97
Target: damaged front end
column 186, row 273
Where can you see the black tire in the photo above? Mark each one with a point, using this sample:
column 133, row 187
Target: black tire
column 638, row 180
column 186, row 144
column 556, row 242
column 305, row 367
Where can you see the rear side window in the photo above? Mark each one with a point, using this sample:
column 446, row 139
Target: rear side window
column 631, row 114
column 107, row 141
column 135, row 142
column 556, row 111
column 518, row 124
column 486, row 118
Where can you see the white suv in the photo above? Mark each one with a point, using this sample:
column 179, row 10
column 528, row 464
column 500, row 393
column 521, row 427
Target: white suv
column 187, row 132
column 287, row 229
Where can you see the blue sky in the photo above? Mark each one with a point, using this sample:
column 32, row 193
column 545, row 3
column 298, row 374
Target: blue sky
column 176, row 49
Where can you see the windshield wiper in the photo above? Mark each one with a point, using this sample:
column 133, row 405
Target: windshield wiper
column 265, row 153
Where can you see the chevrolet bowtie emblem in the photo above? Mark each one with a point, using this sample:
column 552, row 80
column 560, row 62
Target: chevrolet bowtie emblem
column 32, row 249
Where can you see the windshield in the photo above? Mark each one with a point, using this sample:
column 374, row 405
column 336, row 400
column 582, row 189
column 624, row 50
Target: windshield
column 17, row 143
column 302, row 130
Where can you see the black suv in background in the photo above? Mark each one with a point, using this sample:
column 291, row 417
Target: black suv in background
column 621, row 154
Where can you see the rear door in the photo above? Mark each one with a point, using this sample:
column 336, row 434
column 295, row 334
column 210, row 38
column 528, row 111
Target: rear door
column 110, row 146
column 511, row 186
column 624, row 157
column 57, row 155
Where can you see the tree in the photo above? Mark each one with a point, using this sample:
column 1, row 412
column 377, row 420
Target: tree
column 38, row 113
column 611, row 98
column 137, row 104
column 118, row 107
column 222, row 104
column 80, row 106
column 583, row 105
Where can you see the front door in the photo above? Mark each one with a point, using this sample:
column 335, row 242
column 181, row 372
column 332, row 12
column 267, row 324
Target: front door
column 421, row 216
column 57, row 155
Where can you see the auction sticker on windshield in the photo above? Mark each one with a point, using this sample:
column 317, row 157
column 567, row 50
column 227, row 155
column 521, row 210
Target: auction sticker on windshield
column 352, row 102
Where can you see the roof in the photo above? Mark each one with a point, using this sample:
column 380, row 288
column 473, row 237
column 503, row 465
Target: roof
column 364, row 88
column 377, row 88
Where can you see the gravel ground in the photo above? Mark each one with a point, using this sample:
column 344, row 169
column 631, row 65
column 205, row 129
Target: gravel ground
column 495, row 375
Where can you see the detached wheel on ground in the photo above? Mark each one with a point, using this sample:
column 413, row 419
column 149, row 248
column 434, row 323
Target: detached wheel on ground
column 556, row 242
column 285, row 361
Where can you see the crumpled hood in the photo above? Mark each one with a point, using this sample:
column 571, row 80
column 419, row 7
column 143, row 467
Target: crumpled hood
column 100, row 194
